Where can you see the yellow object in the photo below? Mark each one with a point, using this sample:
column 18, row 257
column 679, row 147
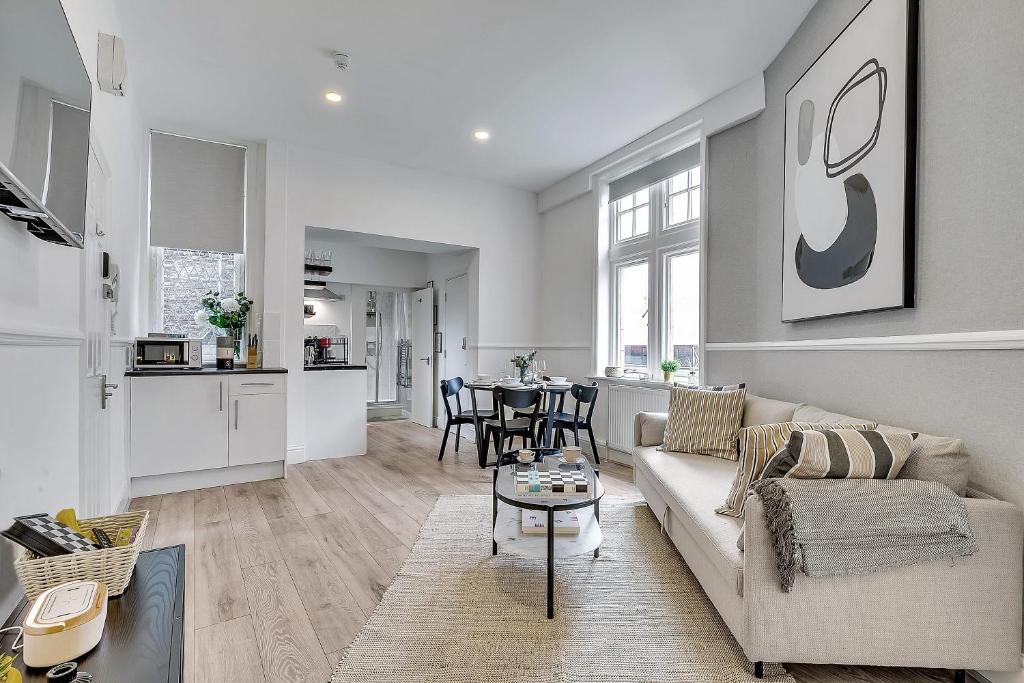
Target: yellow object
column 69, row 518
column 124, row 536
column 13, row 676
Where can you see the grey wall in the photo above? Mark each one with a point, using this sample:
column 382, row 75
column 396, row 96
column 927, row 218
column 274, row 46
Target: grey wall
column 970, row 244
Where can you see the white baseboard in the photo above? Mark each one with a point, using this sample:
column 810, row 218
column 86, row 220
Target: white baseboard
column 612, row 454
column 296, row 454
column 201, row 479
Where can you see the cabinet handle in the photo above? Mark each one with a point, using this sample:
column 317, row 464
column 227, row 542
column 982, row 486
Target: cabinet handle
column 221, row 403
column 236, row 414
column 257, row 384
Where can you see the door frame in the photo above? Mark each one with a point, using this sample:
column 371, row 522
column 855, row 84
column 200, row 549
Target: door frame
column 445, row 320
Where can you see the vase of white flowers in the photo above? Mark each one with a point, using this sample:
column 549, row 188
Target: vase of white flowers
column 523, row 363
column 229, row 314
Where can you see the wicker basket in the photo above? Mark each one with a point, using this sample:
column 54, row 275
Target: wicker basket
column 112, row 566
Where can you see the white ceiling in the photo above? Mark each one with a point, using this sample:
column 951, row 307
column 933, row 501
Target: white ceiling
column 560, row 83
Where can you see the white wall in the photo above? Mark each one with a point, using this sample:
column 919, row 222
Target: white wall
column 310, row 187
column 41, row 320
column 359, row 265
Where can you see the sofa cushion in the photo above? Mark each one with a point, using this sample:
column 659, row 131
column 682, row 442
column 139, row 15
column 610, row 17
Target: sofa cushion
column 841, row 454
column 758, row 443
column 936, row 458
column 808, row 413
column 650, row 428
column 762, row 411
column 695, row 485
column 704, row 421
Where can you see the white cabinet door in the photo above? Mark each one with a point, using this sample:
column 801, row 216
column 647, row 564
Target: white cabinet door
column 257, row 429
column 179, row 424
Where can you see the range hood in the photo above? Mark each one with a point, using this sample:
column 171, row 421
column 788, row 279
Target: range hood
column 321, row 291
column 19, row 204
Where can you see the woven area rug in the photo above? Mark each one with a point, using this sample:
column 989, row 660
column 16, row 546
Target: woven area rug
column 456, row 614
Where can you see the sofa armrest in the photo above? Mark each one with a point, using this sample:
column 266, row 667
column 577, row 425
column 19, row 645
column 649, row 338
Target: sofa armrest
column 649, row 429
column 963, row 613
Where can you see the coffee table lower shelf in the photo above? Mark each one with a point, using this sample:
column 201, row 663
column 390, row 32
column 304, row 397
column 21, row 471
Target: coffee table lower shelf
column 509, row 535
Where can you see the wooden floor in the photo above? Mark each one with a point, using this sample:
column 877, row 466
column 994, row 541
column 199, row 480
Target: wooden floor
column 282, row 574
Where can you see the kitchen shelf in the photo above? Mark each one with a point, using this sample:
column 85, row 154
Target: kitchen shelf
column 318, row 269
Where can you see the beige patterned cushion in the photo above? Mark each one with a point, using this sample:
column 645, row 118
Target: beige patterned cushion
column 758, row 444
column 841, row 454
column 704, row 421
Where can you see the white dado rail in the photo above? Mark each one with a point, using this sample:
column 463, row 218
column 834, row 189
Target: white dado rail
column 40, row 336
column 990, row 340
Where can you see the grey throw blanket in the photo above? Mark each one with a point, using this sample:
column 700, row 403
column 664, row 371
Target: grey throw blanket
column 834, row 527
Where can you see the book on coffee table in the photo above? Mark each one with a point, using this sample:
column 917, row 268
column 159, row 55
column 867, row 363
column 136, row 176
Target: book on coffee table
column 567, row 522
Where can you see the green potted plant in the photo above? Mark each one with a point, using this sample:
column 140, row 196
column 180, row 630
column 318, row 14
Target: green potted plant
column 669, row 368
column 523, row 363
column 229, row 314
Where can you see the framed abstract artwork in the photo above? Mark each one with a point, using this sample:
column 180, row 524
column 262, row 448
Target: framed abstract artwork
column 850, row 170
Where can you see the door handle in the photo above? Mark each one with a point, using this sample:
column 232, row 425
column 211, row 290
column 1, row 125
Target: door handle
column 220, row 402
column 236, row 414
column 426, row 359
column 104, row 394
column 257, row 384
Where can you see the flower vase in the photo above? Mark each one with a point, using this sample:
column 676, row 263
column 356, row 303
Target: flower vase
column 668, row 375
column 522, row 374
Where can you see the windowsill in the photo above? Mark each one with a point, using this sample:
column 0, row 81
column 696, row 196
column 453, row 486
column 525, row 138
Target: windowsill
column 644, row 383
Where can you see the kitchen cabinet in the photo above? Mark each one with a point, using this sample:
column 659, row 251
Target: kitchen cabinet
column 206, row 428
column 178, row 424
column 256, row 433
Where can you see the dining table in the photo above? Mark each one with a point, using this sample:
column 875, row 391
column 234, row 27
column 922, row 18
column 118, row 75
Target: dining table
column 551, row 391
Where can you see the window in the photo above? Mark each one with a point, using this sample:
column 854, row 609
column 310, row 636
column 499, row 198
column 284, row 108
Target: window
column 682, row 304
column 633, row 215
column 654, row 257
column 196, row 230
column 183, row 277
column 683, row 201
column 631, row 308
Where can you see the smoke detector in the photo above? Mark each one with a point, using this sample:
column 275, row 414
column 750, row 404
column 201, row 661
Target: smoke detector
column 341, row 60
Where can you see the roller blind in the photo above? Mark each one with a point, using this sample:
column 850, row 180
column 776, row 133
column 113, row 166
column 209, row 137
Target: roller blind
column 661, row 169
column 197, row 194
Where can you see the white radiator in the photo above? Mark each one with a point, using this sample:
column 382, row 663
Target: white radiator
column 624, row 402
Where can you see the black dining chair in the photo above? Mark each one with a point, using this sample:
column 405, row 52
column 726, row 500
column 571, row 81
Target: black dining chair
column 452, row 387
column 501, row 427
column 584, row 395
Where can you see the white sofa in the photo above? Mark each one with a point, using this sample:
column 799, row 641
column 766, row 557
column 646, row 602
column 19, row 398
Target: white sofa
column 956, row 615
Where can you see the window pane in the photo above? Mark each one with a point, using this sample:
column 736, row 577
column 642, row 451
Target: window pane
column 642, row 196
column 624, row 203
column 695, row 177
column 695, row 203
column 642, row 220
column 684, row 308
column 632, row 313
column 677, row 208
column 625, row 225
column 677, row 183
column 186, row 276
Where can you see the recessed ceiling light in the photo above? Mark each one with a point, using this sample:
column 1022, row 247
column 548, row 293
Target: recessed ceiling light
column 482, row 135
column 332, row 97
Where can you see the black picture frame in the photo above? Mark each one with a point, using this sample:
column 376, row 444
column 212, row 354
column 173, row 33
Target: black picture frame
column 910, row 167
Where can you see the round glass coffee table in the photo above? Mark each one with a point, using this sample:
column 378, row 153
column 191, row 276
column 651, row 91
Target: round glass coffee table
column 516, row 490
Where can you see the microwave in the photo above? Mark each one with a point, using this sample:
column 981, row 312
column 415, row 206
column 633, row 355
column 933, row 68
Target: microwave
column 163, row 353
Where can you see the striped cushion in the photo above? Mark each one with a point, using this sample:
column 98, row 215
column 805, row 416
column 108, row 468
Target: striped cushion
column 704, row 421
column 841, row 454
column 757, row 445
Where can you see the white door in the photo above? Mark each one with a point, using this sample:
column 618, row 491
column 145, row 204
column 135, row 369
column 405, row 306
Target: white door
column 257, row 430
column 94, row 460
column 179, row 424
column 456, row 323
column 422, row 352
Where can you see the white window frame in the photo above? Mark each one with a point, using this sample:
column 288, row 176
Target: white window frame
column 653, row 204
column 689, row 199
column 664, row 254
column 660, row 242
column 616, row 267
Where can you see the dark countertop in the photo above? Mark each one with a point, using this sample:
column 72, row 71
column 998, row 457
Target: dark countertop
column 333, row 366
column 207, row 370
